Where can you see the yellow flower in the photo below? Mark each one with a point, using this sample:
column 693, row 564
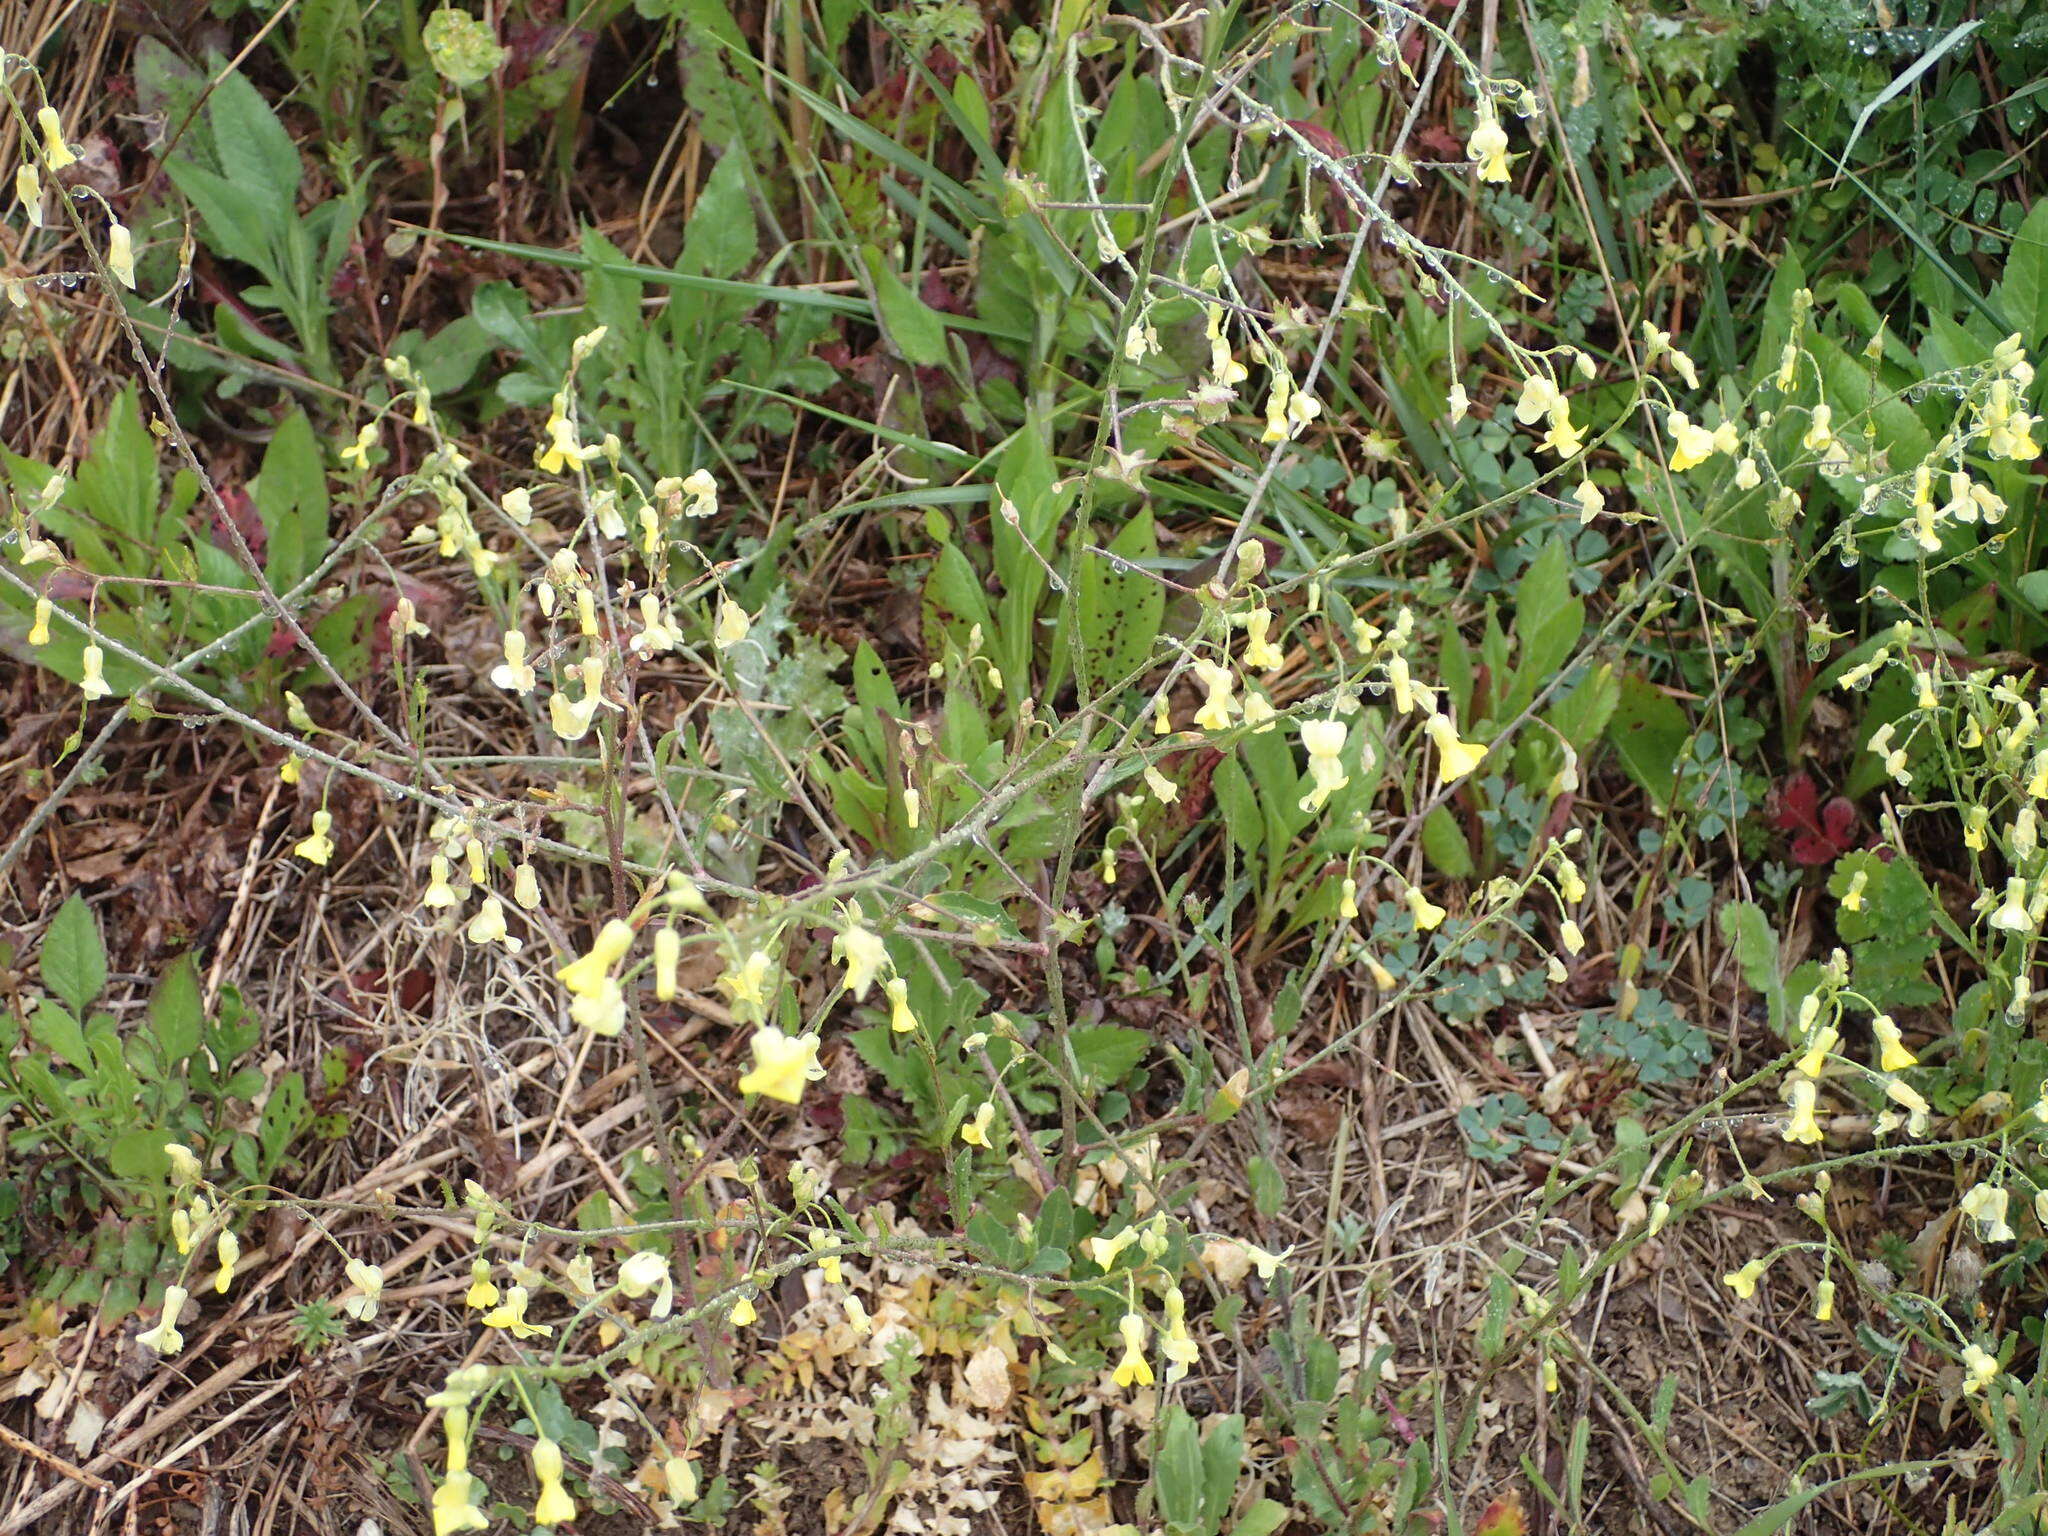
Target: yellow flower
column 1397, row 679
column 185, row 1168
column 1690, row 444
column 732, row 625
column 56, row 152
column 1324, row 740
column 864, row 955
column 1743, row 1281
column 1455, row 758
column 1980, row 1369
column 510, row 1315
column 2012, row 915
column 1571, row 936
column 439, row 892
column 39, row 634
column 28, row 190
column 901, row 1020
column 1459, row 402
column 455, row 1505
column 1347, row 899
column 318, row 848
column 368, row 1280
column 562, row 448
column 1852, row 898
column 1161, row 786
column 1488, row 146
column 570, row 721
column 1177, row 1346
column 975, row 1131
column 782, row 1064
column 588, row 973
column 1892, row 1053
column 1564, row 438
column 1903, row 1094
column 1260, row 653
column 488, row 926
column 357, row 453
column 94, row 684
column 746, row 984
column 743, row 1313
column 164, row 1338
column 1134, row 1369
column 1802, row 1127
column 1217, row 709
column 526, row 887
column 1985, row 1204
column 1824, row 1301
column 1815, row 1053
column 1591, row 501
column 1539, row 396
column 554, row 1504
column 668, row 954
column 514, row 672
column 482, row 1292
column 1427, row 913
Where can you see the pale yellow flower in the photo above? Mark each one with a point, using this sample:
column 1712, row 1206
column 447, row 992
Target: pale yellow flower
column 783, row 1064
column 1134, row 1369
column 164, row 1338
column 1743, row 1281
column 1488, row 146
column 1454, row 758
column 1427, row 914
column 554, row 1504
column 319, row 847
column 94, row 683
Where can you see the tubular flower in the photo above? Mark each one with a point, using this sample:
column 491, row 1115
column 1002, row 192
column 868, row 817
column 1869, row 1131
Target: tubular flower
column 668, row 954
column 1980, row 1369
column 456, row 1507
column 1178, row 1346
column 1902, row 1093
column 570, row 721
column 1691, row 444
column 1802, row 1127
column 56, row 153
column 1324, row 740
column 482, row 1294
column 488, row 926
column 1539, row 396
column 1217, row 709
column 514, row 672
column 1427, row 914
column 227, row 1253
column 1455, row 758
column 1133, row 1369
column 782, row 1064
column 732, row 625
column 1260, row 653
column 2012, row 915
column 554, row 1504
column 164, row 1338
column 510, row 1315
column 1488, row 146
column 1892, row 1053
column 648, row 1271
column 1815, row 1054
column 1743, row 1281
column 746, row 984
column 901, row 1020
column 28, row 191
column 39, row 633
column 744, row 1314
column 1592, row 502
column 562, row 448
column 319, row 847
column 1564, row 438
column 94, row 684
column 1985, row 1204
column 1163, row 788
column 975, row 1131
column 439, row 892
column 1824, row 1301
column 587, row 973
column 1397, row 679
column 368, row 1280
column 864, row 955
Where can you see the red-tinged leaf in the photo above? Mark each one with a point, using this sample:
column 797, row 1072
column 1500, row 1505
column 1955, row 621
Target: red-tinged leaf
column 1838, row 822
column 1503, row 1517
column 1798, row 801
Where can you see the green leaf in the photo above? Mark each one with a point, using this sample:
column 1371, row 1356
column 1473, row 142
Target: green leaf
column 291, row 499
column 255, row 152
column 1177, row 1471
column 1269, row 1186
column 139, row 1155
column 913, row 327
column 1103, row 1055
column 1120, row 605
column 1262, row 1519
column 284, row 1116
column 176, row 1017
column 1748, row 931
column 720, row 239
column 74, row 958
column 1649, row 732
column 1548, row 622
column 2023, row 291
column 58, row 1031
column 1444, row 845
